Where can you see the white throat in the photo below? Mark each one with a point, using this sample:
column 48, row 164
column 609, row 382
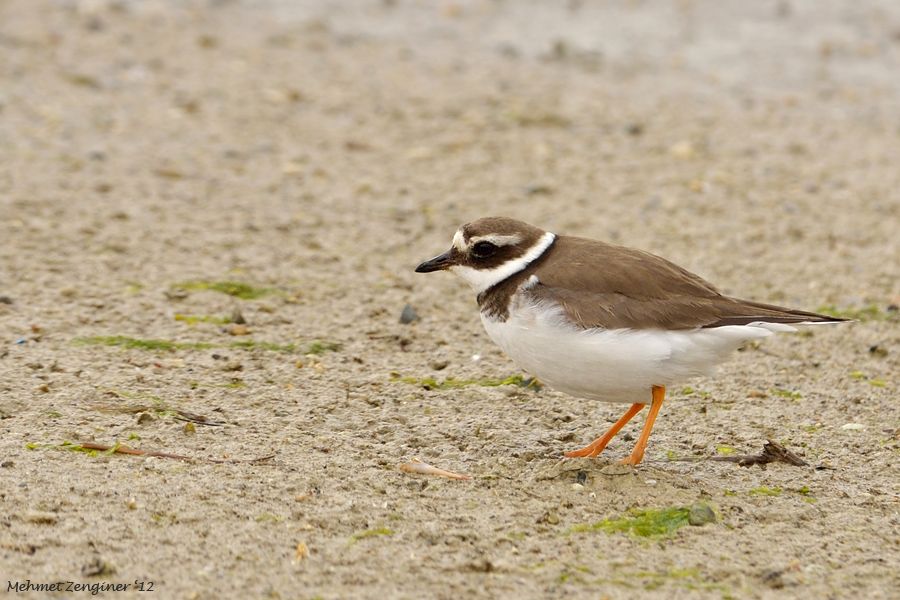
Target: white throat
column 482, row 279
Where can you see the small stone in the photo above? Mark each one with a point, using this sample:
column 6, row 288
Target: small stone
column 552, row 518
column 7, row 464
column 439, row 365
column 302, row 552
column 131, row 504
column 878, row 351
column 177, row 294
column 238, row 329
column 237, row 317
column 853, row 426
column 538, row 189
column 701, row 514
column 408, row 315
column 232, row 366
column 41, row 518
column 144, row 418
column 189, row 428
column 773, row 578
column 683, row 150
column 98, row 568
column 6, row 300
column 577, row 487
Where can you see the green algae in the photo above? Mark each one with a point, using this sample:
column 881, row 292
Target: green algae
column 141, row 344
column 649, row 523
column 870, row 312
column 451, row 383
column 194, row 319
column 159, row 345
column 370, row 533
column 236, row 289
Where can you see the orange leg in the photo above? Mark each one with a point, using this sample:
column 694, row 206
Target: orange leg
column 597, row 446
column 637, row 455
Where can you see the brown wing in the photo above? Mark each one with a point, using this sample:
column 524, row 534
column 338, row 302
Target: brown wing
column 601, row 285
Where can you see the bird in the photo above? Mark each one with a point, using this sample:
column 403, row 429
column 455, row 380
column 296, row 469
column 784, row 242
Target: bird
column 601, row 321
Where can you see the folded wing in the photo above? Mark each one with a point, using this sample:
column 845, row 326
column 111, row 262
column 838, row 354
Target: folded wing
column 613, row 287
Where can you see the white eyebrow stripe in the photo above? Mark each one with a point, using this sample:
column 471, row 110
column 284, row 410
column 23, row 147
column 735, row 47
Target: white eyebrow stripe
column 458, row 241
column 497, row 240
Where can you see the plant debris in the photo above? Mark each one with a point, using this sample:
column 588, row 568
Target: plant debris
column 417, row 466
column 649, row 522
column 430, row 383
column 771, row 452
column 160, row 409
column 94, row 449
column 141, row 344
column 314, row 347
column 370, row 533
column 194, row 319
column 238, row 289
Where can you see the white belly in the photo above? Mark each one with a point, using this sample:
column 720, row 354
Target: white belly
column 619, row 365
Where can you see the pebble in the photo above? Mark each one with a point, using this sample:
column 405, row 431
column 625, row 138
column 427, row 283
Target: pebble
column 98, row 568
column 41, row 518
column 144, row 418
column 577, row 487
column 701, row 514
column 301, row 552
column 408, row 315
column 877, row 350
column 853, row 426
column 237, row 329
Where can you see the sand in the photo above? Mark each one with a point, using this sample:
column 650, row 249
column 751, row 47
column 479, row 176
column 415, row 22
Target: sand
column 318, row 152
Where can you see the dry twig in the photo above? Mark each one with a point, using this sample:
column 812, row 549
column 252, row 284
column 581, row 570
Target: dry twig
column 417, row 466
column 771, row 452
column 181, row 415
column 123, row 449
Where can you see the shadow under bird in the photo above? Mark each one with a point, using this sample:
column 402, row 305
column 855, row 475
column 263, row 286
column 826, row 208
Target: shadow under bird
column 600, row 321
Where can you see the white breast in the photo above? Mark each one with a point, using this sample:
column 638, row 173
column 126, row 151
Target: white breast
column 618, row 365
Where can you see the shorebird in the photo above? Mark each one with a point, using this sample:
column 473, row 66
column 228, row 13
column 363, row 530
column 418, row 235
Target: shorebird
column 601, row 321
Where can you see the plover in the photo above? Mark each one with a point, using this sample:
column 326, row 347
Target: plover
column 600, row 321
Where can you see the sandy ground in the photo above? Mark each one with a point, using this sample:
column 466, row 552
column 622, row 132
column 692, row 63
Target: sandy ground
column 319, row 151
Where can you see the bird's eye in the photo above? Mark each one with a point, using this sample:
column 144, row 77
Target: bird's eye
column 484, row 249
